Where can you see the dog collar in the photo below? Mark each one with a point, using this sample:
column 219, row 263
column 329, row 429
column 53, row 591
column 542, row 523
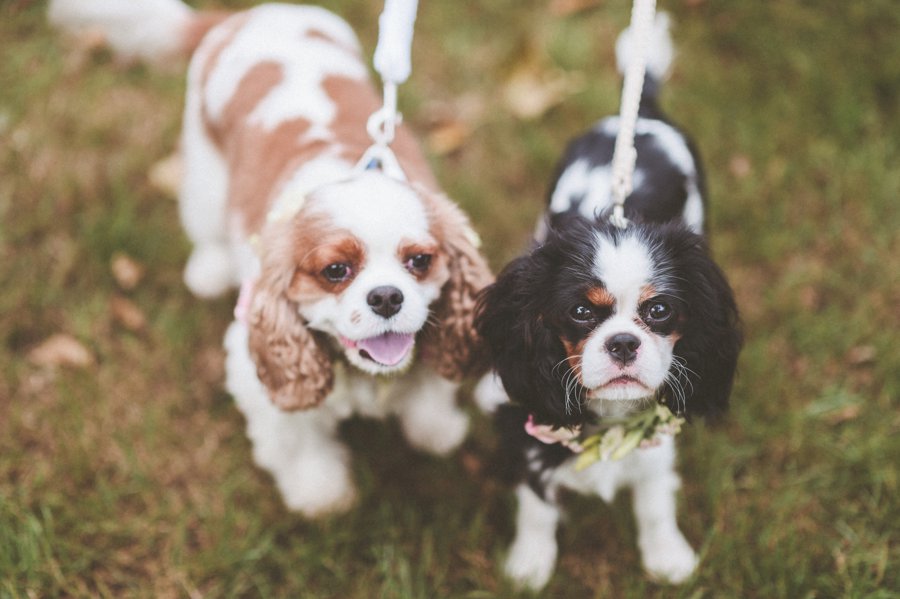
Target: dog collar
column 545, row 433
column 242, row 307
column 615, row 439
column 619, row 438
column 380, row 157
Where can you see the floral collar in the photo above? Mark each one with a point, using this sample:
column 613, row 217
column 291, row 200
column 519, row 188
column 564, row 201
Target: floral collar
column 615, row 439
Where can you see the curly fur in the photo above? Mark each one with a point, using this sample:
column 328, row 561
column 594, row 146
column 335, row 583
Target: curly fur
column 291, row 361
column 452, row 345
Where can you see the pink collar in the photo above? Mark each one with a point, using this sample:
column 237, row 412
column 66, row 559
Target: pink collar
column 545, row 433
column 242, row 308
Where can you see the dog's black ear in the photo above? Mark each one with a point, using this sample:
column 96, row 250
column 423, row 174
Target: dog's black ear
column 711, row 336
column 528, row 357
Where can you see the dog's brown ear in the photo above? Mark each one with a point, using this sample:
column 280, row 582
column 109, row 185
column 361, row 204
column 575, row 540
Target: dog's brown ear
column 291, row 360
column 450, row 343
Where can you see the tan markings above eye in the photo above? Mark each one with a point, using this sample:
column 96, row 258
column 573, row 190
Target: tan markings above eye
column 331, row 251
column 329, row 260
column 646, row 293
column 407, row 250
column 600, row 297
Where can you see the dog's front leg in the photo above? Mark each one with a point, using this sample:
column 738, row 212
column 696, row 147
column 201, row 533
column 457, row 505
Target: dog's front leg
column 532, row 555
column 310, row 465
column 431, row 420
column 665, row 552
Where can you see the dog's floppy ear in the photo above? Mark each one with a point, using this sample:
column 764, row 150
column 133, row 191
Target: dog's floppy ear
column 528, row 357
column 450, row 343
column 291, row 361
column 711, row 337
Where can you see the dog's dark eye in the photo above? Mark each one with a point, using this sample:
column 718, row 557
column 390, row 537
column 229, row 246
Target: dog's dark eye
column 419, row 263
column 582, row 313
column 336, row 272
column 657, row 312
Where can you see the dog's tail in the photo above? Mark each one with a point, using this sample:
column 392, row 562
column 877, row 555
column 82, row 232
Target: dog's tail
column 661, row 53
column 153, row 31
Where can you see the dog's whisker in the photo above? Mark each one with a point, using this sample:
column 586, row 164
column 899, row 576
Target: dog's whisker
column 677, row 390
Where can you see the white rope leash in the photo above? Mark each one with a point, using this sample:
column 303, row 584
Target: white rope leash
column 395, row 33
column 625, row 156
column 392, row 61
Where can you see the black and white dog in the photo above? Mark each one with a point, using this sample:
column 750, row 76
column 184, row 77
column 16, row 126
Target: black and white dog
column 596, row 322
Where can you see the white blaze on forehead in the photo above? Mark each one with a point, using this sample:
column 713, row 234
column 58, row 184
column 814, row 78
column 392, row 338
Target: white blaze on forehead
column 625, row 269
column 381, row 212
column 281, row 34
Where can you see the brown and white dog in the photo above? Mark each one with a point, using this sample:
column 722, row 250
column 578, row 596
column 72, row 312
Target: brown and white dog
column 347, row 274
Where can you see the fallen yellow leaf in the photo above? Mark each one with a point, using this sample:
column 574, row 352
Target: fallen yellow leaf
column 61, row 349
column 531, row 91
column 127, row 313
column 166, row 175
column 448, row 137
column 126, row 271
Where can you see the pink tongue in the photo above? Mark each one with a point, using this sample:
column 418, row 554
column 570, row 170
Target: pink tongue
column 388, row 349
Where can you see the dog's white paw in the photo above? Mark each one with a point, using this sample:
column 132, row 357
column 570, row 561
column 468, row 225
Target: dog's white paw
column 209, row 271
column 529, row 565
column 668, row 558
column 317, row 487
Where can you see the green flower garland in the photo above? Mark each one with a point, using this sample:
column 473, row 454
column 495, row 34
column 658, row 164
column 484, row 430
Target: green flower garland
column 619, row 438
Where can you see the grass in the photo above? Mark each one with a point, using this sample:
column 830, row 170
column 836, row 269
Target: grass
column 131, row 475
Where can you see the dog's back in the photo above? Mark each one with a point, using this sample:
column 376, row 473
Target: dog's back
column 272, row 91
column 668, row 181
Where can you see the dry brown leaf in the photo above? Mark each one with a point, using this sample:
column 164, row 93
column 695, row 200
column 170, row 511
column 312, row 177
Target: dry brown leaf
column 740, row 166
column 844, row 415
column 126, row 271
column 166, row 175
column 61, row 349
column 448, row 137
column 127, row 313
column 565, row 8
column 210, row 364
column 531, row 90
column 862, row 355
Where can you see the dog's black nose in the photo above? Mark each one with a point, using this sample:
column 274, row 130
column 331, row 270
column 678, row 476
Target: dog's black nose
column 623, row 347
column 385, row 301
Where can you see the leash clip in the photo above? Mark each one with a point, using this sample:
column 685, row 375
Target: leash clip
column 380, row 157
